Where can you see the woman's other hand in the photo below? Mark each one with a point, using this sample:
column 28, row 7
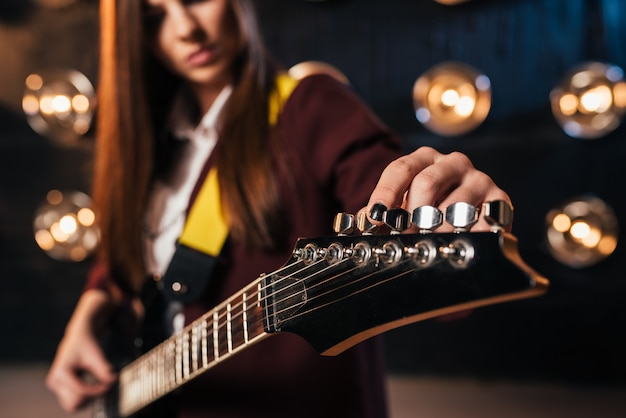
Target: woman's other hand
column 80, row 372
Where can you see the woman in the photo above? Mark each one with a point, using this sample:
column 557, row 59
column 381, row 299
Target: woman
column 186, row 86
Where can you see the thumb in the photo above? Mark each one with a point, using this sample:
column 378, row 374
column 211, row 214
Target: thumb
column 96, row 363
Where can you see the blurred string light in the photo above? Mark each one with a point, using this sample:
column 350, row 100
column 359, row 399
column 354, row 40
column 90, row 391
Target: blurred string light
column 306, row 68
column 452, row 98
column 59, row 104
column 582, row 232
column 590, row 100
column 65, row 227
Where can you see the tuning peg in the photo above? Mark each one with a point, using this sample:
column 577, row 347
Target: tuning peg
column 364, row 225
column 427, row 218
column 344, row 223
column 462, row 216
column 498, row 214
column 397, row 219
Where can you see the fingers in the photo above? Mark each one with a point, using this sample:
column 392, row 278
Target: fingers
column 79, row 373
column 73, row 392
column 398, row 176
column 427, row 177
column 100, row 367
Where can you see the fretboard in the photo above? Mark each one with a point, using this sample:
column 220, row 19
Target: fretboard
column 231, row 326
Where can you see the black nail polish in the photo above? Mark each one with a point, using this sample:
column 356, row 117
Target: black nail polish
column 377, row 211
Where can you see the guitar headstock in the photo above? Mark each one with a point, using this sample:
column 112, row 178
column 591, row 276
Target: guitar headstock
column 338, row 291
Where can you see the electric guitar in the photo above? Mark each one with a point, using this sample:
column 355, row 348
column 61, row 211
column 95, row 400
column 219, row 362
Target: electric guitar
column 336, row 292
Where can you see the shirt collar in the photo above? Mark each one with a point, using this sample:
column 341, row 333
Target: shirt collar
column 180, row 123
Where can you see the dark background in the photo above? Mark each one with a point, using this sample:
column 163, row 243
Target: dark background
column 576, row 333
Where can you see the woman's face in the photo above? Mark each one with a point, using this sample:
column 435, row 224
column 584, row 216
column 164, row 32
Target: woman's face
column 196, row 39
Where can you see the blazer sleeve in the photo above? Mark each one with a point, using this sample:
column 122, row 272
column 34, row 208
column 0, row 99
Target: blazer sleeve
column 338, row 139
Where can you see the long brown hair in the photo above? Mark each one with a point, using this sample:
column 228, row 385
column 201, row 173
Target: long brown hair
column 134, row 93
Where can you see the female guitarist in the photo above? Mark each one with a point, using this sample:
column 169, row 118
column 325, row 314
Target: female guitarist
column 190, row 101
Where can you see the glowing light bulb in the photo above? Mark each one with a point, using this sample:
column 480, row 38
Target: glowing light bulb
column 581, row 232
column 452, row 98
column 590, row 101
column 65, row 226
column 59, row 104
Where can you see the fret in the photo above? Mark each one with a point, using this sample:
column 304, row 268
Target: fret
column 229, row 329
column 141, row 387
column 205, row 344
column 195, row 358
column 223, row 332
column 160, row 368
column 185, row 354
column 178, row 366
column 171, row 363
column 237, row 334
column 147, row 378
column 254, row 314
column 244, row 317
column 216, row 335
column 210, row 341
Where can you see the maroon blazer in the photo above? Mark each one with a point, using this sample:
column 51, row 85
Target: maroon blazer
column 336, row 149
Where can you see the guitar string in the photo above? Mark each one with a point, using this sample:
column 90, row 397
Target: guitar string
column 305, row 312
column 276, row 293
column 236, row 313
column 271, row 295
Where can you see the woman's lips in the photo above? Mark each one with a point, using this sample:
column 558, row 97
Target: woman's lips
column 201, row 57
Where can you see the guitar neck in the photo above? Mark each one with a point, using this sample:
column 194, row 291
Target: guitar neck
column 336, row 292
column 228, row 328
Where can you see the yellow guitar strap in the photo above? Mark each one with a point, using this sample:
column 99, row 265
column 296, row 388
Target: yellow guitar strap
column 206, row 213
column 206, row 228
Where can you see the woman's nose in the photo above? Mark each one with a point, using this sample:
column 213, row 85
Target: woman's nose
column 185, row 23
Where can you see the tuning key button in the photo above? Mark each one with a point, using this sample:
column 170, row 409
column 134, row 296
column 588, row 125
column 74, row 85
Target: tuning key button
column 462, row 216
column 427, row 218
column 397, row 219
column 344, row 223
column 498, row 214
column 364, row 225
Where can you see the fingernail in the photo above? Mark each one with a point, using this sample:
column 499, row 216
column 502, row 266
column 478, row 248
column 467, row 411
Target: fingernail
column 377, row 211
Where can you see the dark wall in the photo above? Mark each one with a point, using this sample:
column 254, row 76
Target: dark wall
column 576, row 332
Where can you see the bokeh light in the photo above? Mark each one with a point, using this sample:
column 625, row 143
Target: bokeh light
column 65, row 226
column 306, row 68
column 452, row 98
column 590, row 101
column 59, row 104
column 582, row 232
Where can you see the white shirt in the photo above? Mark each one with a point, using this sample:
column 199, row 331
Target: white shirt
column 169, row 199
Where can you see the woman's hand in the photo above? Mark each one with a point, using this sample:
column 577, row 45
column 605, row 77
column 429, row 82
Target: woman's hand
column 427, row 177
column 79, row 356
